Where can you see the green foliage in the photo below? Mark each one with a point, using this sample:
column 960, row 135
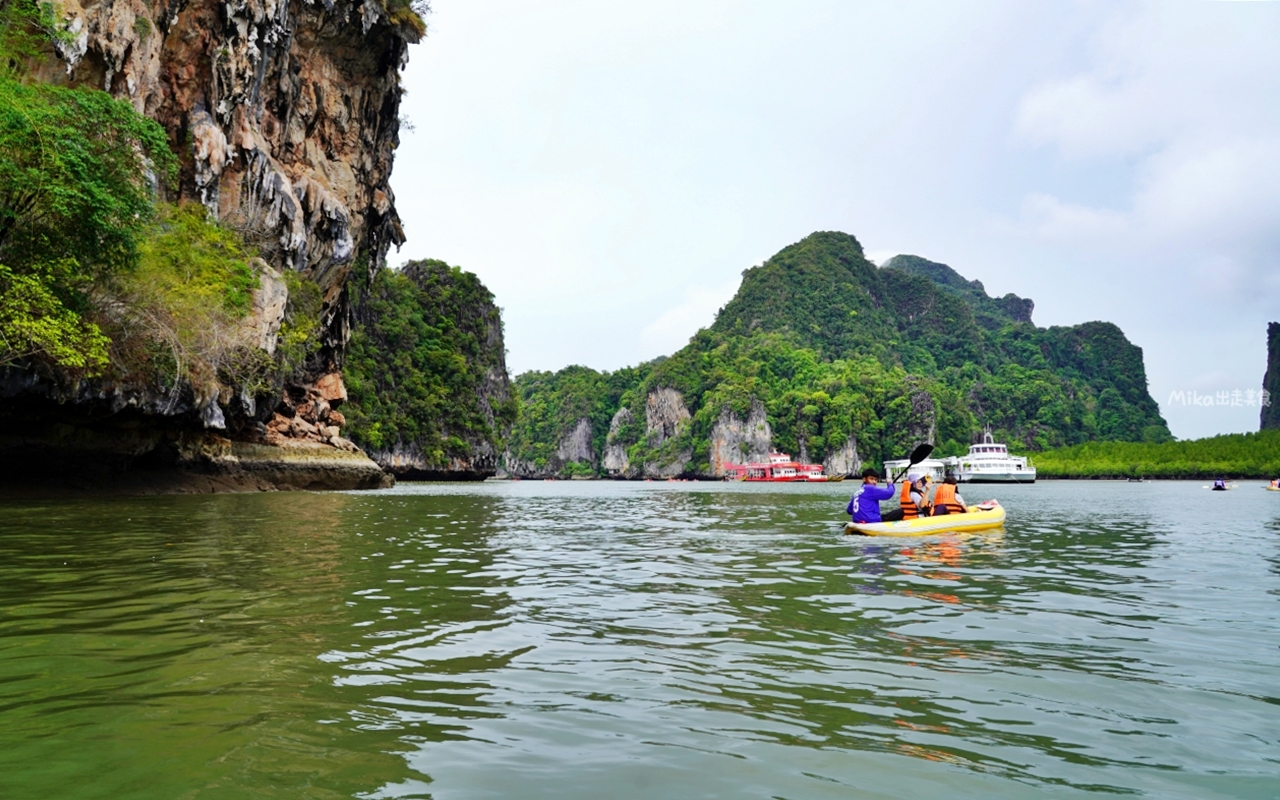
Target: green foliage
column 300, row 331
column 409, row 14
column 27, row 28
column 76, row 177
column 551, row 404
column 422, row 365
column 195, row 263
column 34, row 322
column 186, row 300
column 1242, row 455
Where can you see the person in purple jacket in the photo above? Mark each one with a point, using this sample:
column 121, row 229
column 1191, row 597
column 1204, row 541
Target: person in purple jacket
column 865, row 503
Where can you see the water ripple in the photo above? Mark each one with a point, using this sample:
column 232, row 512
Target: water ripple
column 668, row 639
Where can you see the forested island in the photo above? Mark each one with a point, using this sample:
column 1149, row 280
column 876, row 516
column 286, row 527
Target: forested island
column 826, row 356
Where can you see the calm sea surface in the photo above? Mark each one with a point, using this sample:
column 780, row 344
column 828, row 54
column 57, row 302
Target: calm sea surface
column 585, row 640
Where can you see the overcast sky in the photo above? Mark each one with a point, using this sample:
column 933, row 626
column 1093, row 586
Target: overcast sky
column 610, row 169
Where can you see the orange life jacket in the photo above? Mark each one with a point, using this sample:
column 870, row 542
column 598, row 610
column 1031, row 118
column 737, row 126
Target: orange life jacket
column 909, row 509
column 945, row 497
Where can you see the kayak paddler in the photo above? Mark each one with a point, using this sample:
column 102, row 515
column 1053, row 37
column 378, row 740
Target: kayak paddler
column 864, row 506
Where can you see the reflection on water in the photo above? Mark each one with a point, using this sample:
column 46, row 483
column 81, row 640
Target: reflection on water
column 679, row 640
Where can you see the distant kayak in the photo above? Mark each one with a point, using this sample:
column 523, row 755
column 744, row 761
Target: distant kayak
column 978, row 518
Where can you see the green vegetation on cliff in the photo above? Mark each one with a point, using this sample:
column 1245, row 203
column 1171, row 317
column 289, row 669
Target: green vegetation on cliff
column 552, row 403
column 839, row 350
column 1237, row 455
column 425, row 367
column 97, row 276
column 77, row 170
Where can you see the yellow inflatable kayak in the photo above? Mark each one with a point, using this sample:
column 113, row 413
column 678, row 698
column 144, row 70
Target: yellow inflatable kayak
column 988, row 515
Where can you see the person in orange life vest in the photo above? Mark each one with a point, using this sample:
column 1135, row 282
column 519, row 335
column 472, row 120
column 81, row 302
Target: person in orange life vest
column 912, row 499
column 946, row 500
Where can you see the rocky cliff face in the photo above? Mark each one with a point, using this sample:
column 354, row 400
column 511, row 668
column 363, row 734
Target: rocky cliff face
column 616, row 462
column 666, row 419
column 843, row 460
column 574, row 456
column 735, row 441
column 285, row 115
column 285, row 118
column 922, row 423
column 1271, row 380
column 575, row 447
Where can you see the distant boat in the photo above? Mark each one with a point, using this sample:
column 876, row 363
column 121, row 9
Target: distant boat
column 780, row 468
column 990, row 462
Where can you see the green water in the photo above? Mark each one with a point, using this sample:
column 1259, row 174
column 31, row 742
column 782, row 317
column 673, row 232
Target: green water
column 638, row 640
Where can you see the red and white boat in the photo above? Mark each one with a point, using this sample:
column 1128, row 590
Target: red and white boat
column 779, row 469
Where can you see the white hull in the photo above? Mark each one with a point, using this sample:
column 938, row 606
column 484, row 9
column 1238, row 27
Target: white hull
column 1020, row 476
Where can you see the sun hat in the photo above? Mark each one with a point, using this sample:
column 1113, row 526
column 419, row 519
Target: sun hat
column 914, row 476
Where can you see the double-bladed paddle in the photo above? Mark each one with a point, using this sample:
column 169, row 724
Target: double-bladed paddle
column 919, row 454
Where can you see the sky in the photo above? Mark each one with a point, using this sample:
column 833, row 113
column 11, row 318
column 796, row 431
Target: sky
column 609, row 170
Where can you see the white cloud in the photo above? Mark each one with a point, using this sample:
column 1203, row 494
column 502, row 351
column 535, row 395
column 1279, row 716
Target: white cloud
column 1177, row 99
column 671, row 331
column 878, row 257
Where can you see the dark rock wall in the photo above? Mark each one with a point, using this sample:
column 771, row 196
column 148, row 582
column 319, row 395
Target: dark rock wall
column 1271, row 380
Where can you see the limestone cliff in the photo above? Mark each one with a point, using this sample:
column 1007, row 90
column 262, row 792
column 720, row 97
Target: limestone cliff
column 921, row 423
column 1271, row 380
column 574, row 456
column 285, row 115
column 668, row 449
column 616, row 462
column 843, row 460
column 735, row 441
column 285, row 118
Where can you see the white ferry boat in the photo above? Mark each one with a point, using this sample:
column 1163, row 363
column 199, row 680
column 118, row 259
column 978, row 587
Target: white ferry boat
column 935, row 468
column 990, row 462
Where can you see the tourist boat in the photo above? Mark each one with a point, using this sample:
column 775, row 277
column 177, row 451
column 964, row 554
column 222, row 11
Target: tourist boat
column 935, row 468
column 981, row 517
column 990, row 462
column 778, row 469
